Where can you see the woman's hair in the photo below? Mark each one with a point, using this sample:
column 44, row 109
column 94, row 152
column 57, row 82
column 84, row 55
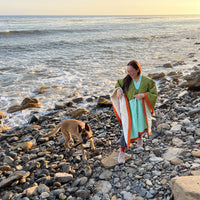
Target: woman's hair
column 127, row 80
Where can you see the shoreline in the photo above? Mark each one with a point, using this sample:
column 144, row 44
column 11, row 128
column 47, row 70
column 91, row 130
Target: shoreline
column 147, row 175
column 44, row 93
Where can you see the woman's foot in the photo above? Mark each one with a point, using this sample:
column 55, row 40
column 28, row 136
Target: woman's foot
column 121, row 157
column 140, row 145
column 140, row 142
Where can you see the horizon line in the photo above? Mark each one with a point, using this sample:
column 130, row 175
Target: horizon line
column 97, row 14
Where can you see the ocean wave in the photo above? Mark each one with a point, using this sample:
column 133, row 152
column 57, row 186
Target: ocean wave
column 68, row 44
column 129, row 38
column 158, row 17
column 20, row 32
column 46, row 31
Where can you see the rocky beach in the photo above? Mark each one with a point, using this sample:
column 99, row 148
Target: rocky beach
column 37, row 168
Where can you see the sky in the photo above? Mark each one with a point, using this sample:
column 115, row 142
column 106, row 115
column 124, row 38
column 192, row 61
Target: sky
column 99, row 7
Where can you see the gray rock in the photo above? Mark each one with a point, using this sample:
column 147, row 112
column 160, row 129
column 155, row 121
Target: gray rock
column 103, row 187
column 190, row 129
column 43, row 188
column 9, row 160
column 156, row 159
column 106, row 175
column 172, row 153
column 83, row 180
column 58, row 192
column 127, row 195
column 63, row 177
column 44, row 195
column 8, row 181
column 177, row 142
column 85, row 194
column 176, row 128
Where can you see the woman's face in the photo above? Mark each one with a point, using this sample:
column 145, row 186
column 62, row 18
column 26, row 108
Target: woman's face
column 132, row 72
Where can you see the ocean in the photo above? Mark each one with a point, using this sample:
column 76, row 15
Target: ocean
column 86, row 54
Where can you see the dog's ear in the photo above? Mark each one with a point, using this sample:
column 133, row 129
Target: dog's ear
column 79, row 129
column 87, row 127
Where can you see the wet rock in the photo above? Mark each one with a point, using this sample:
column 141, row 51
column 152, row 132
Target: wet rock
column 2, row 116
column 78, row 99
column 182, row 62
column 79, row 112
column 59, row 106
column 157, row 75
column 26, row 103
column 103, row 102
column 2, row 126
column 167, row 65
column 42, row 90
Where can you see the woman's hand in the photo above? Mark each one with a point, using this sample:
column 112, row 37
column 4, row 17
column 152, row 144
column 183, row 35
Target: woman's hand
column 119, row 93
column 139, row 96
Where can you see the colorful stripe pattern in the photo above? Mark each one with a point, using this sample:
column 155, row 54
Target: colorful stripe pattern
column 123, row 114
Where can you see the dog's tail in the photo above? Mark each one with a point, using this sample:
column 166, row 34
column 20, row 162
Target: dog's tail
column 54, row 131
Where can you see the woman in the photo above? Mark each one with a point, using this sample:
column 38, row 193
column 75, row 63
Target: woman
column 133, row 101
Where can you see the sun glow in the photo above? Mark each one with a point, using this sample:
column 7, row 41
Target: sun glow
column 100, row 7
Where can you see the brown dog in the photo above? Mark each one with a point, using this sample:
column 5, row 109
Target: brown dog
column 77, row 128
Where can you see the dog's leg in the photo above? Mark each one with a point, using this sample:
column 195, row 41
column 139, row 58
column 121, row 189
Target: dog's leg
column 68, row 139
column 92, row 144
column 83, row 153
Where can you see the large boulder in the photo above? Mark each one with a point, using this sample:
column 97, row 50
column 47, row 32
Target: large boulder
column 193, row 80
column 186, row 188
